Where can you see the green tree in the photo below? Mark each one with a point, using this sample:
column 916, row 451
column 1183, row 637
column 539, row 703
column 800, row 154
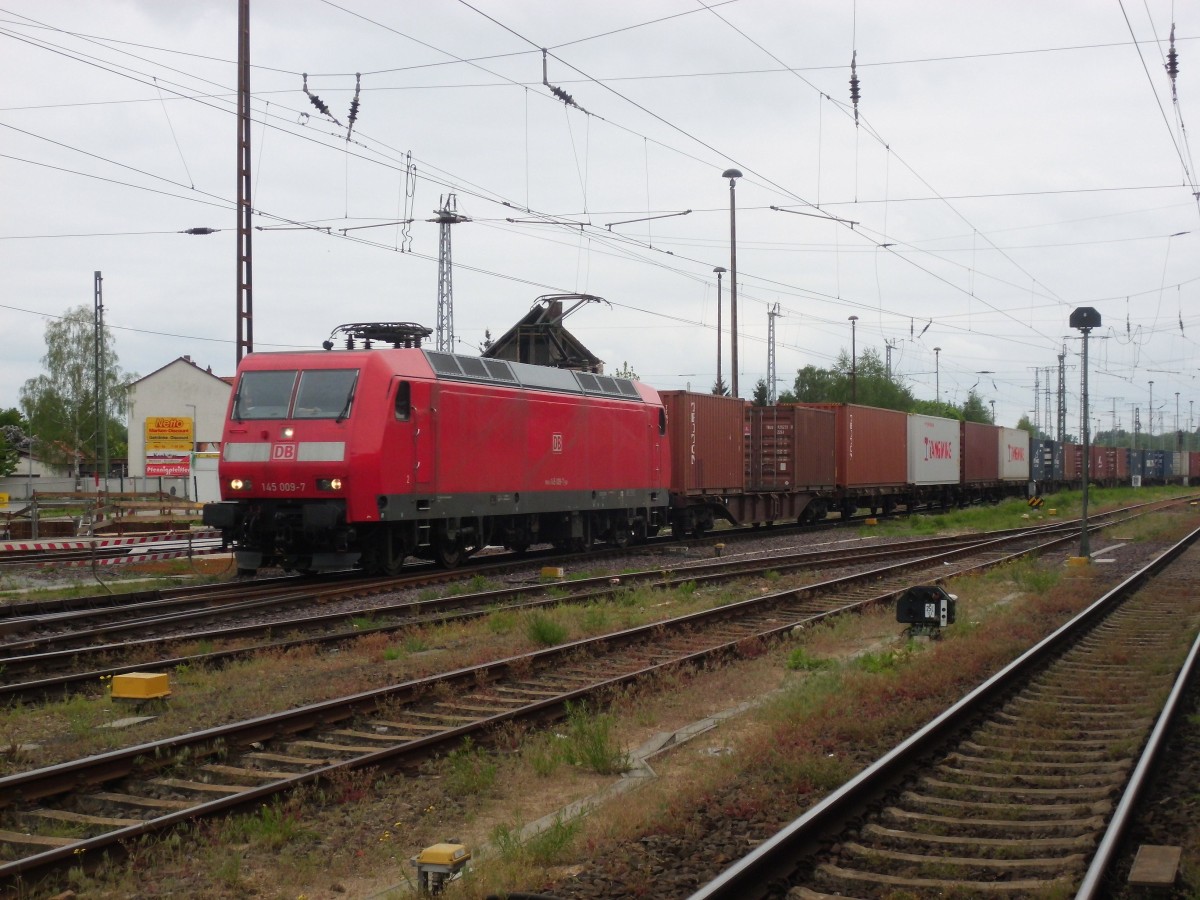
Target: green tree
column 865, row 382
column 1037, row 434
column 761, row 394
column 60, row 404
column 934, row 408
column 9, row 456
column 12, row 438
column 815, row 385
column 720, row 388
column 974, row 409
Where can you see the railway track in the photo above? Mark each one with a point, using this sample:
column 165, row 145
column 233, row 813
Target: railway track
column 39, row 666
column 1034, row 799
column 61, row 814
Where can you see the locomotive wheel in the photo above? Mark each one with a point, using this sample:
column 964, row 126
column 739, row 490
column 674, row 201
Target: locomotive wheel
column 620, row 534
column 449, row 553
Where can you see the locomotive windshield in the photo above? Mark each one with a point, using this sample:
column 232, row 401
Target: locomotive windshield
column 325, row 394
column 322, row 394
column 264, row 395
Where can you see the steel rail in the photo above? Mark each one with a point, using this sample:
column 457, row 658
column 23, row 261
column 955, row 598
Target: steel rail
column 774, row 859
column 116, row 764
column 1106, row 853
column 478, row 604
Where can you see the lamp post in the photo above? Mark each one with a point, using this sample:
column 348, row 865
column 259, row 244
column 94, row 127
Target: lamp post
column 733, row 175
column 720, row 270
column 1178, row 436
column 192, row 451
column 1085, row 318
column 937, row 374
column 1150, row 424
column 853, row 361
column 993, row 402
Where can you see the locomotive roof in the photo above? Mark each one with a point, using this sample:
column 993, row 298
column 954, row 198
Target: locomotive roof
column 453, row 367
column 479, row 370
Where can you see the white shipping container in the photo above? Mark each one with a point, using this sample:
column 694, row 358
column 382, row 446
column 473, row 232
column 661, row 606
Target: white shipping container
column 933, row 450
column 1014, row 454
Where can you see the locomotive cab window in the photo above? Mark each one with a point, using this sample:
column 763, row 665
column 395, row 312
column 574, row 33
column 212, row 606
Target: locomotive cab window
column 403, row 401
column 325, row 394
column 264, row 395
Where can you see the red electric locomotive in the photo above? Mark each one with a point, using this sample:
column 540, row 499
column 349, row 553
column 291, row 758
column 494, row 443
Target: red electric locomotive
column 367, row 456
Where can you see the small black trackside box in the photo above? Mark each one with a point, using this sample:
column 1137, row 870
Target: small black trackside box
column 926, row 605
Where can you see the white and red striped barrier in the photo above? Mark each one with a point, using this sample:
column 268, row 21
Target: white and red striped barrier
column 89, row 543
column 144, row 557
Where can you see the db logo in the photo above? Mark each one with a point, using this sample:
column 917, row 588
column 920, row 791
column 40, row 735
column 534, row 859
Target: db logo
column 283, row 451
column 556, row 443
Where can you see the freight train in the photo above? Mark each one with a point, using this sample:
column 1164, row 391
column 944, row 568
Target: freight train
column 366, row 456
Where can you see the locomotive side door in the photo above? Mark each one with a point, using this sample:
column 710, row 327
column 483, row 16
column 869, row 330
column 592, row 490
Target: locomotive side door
column 421, row 400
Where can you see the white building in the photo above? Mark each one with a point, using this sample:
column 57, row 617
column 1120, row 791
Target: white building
column 180, row 390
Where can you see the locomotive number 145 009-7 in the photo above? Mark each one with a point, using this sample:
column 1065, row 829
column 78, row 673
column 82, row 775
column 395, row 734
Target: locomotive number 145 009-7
column 282, row 487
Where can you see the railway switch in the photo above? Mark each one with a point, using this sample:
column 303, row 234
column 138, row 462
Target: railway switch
column 438, row 864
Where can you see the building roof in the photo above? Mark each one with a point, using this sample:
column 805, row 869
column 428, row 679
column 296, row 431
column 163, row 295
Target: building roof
column 227, row 379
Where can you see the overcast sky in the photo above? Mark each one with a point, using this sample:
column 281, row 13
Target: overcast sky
column 1011, row 161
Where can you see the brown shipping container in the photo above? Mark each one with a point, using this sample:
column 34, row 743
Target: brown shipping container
column 1072, row 462
column 790, row 448
column 707, row 443
column 1121, row 460
column 980, row 452
column 1194, row 463
column 872, row 445
column 1101, row 462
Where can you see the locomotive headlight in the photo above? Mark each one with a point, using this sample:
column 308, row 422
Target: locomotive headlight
column 289, row 431
column 239, row 484
column 329, row 484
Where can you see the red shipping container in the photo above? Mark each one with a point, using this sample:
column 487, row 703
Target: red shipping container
column 707, row 442
column 872, row 445
column 980, row 452
column 1194, row 464
column 1122, row 464
column 790, row 448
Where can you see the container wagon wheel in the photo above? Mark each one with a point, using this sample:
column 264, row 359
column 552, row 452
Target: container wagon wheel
column 448, row 554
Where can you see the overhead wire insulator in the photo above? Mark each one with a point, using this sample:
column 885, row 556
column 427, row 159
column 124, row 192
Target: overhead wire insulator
column 354, row 104
column 316, row 101
column 557, row 91
column 1172, row 65
column 854, row 94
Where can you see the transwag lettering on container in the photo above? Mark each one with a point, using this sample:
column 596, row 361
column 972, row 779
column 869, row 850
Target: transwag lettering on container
column 939, row 449
column 693, row 434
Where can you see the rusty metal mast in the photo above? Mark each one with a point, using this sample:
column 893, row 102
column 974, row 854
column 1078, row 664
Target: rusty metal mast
column 245, row 281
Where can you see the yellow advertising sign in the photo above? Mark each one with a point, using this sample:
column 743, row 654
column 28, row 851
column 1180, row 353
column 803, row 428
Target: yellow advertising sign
column 3, row 499
column 169, row 433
